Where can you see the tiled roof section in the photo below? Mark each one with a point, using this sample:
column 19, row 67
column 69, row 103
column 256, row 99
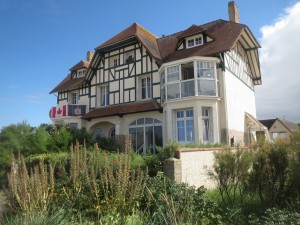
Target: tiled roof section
column 168, row 44
column 80, row 65
column 224, row 34
column 268, row 123
column 122, row 109
column 194, row 29
column 289, row 125
column 144, row 36
column 68, row 83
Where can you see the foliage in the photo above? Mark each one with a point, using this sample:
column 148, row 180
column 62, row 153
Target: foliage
column 155, row 162
column 28, row 192
column 98, row 185
column 108, row 144
column 56, row 216
column 171, row 203
column 269, row 171
column 276, row 216
column 231, row 172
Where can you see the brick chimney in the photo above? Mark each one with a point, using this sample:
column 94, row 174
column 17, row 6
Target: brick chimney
column 233, row 12
column 89, row 56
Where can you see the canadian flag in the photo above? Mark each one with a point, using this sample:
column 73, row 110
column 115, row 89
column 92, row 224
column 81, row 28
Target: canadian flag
column 61, row 111
column 52, row 112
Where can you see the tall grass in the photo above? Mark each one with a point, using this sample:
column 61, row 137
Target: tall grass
column 30, row 190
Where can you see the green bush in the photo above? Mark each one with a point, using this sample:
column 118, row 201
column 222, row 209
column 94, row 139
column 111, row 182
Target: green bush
column 168, row 202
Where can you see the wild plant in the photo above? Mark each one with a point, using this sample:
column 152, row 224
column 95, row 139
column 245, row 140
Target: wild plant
column 102, row 184
column 30, row 191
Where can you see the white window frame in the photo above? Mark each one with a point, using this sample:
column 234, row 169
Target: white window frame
column 73, row 98
column 104, row 90
column 147, row 88
column 81, row 73
column 194, row 41
column 185, row 118
column 207, row 132
column 114, row 61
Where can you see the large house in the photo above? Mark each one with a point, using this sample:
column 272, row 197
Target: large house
column 193, row 86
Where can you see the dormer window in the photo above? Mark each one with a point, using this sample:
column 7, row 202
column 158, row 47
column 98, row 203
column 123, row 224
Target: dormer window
column 81, row 73
column 194, row 41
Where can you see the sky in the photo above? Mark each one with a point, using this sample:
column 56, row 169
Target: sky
column 40, row 40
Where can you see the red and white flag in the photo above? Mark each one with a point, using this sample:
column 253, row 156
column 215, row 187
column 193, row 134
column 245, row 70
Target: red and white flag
column 52, row 112
column 61, row 111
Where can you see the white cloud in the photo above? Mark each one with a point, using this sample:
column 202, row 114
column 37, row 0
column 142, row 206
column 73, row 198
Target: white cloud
column 279, row 95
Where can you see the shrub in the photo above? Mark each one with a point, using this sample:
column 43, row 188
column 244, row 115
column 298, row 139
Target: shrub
column 231, row 172
column 168, row 202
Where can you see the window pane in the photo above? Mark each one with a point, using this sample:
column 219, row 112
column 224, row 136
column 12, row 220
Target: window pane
column 158, row 136
column 190, row 130
column 180, row 131
column 206, row 87
column 140, row 121
column 173, row 91
column 189, row 113
column 205, row 70
column 180, row 114
column 139, row 139
column 163, row 95
column 148, row 120
column 187, row 88
column 172, row 73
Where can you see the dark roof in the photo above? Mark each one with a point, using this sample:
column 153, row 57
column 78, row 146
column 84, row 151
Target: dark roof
column 268, row 123
column 80, row 65
column 224, row 34
column 135, row 31
column 288, row 124
column 194, row 29
column 69, row 83
column 122, row 109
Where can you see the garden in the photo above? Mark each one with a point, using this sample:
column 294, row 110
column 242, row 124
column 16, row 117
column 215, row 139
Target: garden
column 58, row 175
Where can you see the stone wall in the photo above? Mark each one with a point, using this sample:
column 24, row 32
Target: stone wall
column 193, row 165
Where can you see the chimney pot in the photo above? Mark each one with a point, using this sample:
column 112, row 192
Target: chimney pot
column 89, row 56
column 233, row 12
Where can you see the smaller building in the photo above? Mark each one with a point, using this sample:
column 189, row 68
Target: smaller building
column 279, row 128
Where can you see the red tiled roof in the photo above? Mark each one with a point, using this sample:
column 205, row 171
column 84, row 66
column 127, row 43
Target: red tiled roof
column 81, row 64
column 135, row 30
column 194, row 29
column 68, row 83
column 224, row 34
column 122, row 109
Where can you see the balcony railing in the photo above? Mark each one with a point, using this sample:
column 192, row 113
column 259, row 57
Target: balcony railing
column 76, row 110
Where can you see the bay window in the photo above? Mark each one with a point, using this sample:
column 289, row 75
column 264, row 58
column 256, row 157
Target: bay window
column 194, row 78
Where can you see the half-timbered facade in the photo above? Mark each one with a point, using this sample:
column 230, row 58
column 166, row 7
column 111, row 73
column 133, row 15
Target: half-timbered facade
column 194, row 86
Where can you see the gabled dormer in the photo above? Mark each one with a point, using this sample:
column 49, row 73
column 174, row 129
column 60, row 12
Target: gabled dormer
column 192, row 37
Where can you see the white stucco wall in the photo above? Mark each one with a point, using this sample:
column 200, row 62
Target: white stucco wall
column 239, row 98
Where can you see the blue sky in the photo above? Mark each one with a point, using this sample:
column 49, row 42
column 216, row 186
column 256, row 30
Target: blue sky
column 40, row 40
